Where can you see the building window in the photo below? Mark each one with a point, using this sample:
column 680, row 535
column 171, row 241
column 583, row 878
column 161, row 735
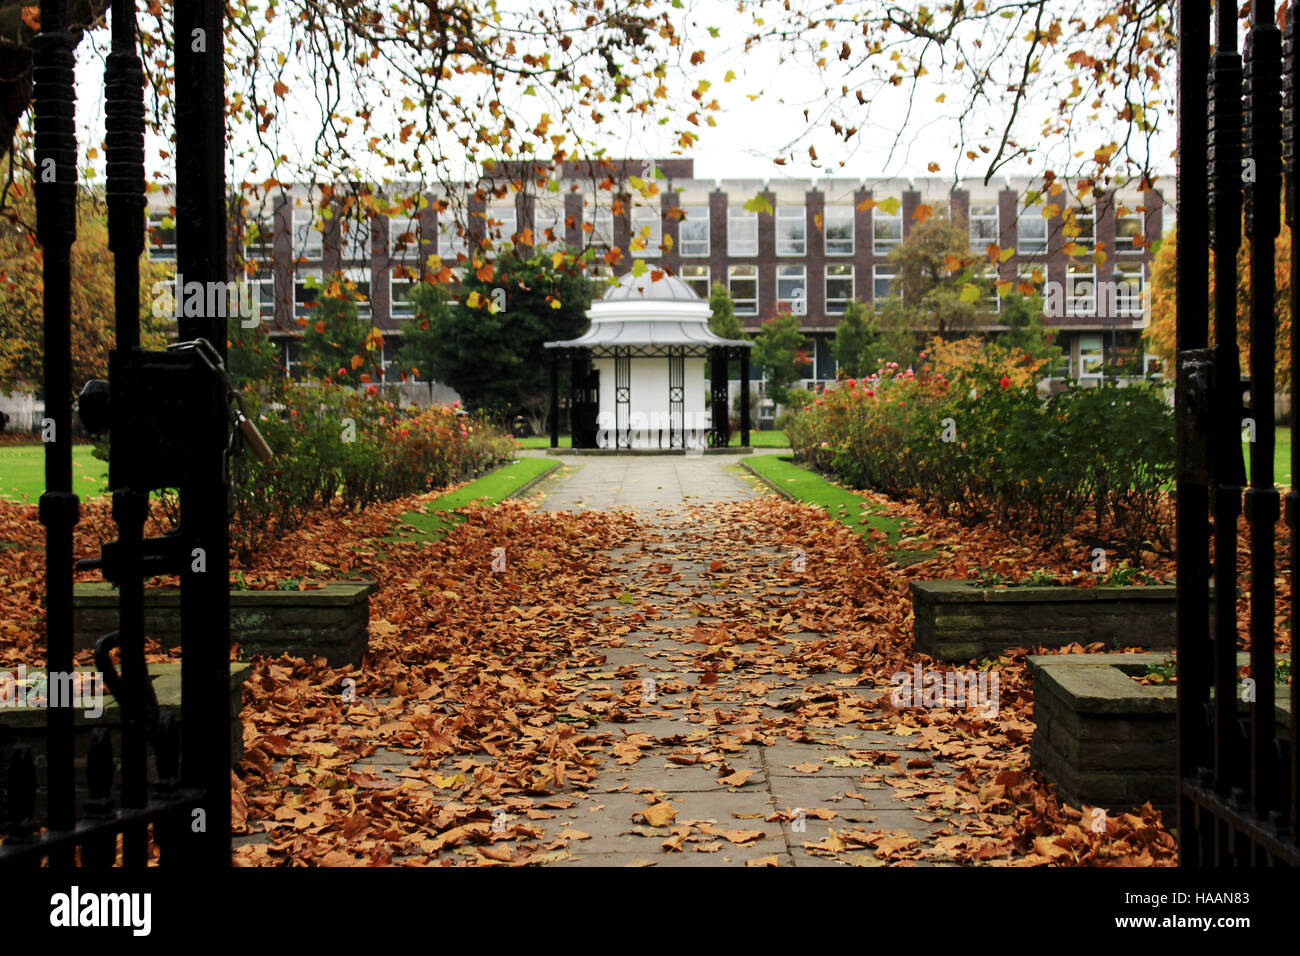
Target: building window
column 356, row 240
column 1128, row 289
column 259, row 239
column 697, row 277
column 403, row 238
column 882, row 282
column 1031, row 231
column 452, row 242
column 1128, row 231
column 264, row 285
column 601, row 236
column 839, row 288
column 792, row 289
column 162, row 237
column 887, row 230
column 742, row 232
column 360, row 276
column 306, row 289
column 983, row 226
column 1029, row 280
column 307, row 237
column 400, row 305
column 1091, row 357
column 837, row 222
column 988, row 277
column 693, row 232
column 548, row 225
column 647, row 232
column 502, row 222
column 742, row 283
column 1080, row 290
column 791, row 231
column 1084, row 226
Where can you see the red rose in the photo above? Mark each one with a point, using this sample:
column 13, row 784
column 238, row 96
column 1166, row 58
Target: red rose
column 1005, row 382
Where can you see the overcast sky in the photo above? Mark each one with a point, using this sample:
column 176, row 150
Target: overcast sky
column 763, row 117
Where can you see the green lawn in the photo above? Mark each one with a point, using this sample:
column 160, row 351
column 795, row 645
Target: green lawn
column 544, row 441
column 840, row 503
column 22, row 472
column 768, row 439
column 1281, row 457
column 433, row 522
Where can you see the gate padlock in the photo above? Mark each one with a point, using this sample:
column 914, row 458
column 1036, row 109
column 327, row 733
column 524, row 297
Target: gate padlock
column 256, row 443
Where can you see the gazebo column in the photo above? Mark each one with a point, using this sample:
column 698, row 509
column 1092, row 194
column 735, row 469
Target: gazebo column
column 718, row 392
column 577, row 384
column 744, row 397
column 555, row 399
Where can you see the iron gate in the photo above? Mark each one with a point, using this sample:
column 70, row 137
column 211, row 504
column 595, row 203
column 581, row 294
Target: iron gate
column 168, row 417
column 1237, row 773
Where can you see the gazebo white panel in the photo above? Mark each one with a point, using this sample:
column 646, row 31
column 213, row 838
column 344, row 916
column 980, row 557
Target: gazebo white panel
column 648, row 403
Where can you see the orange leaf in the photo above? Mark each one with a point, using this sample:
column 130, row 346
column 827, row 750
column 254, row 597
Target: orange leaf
column 357, row 362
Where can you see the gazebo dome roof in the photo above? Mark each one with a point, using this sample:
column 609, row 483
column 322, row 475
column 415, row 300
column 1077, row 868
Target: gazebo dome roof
column 649, row 317
column 647, row 289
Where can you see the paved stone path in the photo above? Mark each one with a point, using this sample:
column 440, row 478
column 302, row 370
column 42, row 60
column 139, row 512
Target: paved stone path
column 690, row 734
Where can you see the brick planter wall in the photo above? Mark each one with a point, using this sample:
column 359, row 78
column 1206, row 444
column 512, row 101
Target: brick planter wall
column 1104, row 739
column 956, row 621
column 26, row 725
column 330, row 622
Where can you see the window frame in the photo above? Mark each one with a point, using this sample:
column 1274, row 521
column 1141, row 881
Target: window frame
column 980, row 242
column 689, row 279
column 882, row 246
column 850, row 220
column 797, row 302
column 839, row 276
column 738, row 247
column 692, row 248
column 160, row 251
column 638, row 219
column 300, row 309
column 1032, row 214
column 790, row 215
column 308, row 241
column 883, row 271
column 742, row 272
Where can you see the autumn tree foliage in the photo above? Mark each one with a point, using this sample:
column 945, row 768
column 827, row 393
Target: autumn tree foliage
column 22, row 320
column 780, row 355
column 489, row 346
column 1160, row 335
column 337, row 343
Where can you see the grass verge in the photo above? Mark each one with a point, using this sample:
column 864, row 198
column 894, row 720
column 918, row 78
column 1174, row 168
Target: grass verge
column 845, row 506
column 439, row 515
column 22, row 472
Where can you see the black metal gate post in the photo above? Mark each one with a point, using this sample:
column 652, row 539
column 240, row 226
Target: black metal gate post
column 56, row 227
column 205, row 580
column 168, row 417
column 718, row 392
column 744, row 397
column 1237, row 794
column 124, row 145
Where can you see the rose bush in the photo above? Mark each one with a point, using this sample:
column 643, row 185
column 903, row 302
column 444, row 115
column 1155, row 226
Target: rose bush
column 338, row 447
column 970, row 433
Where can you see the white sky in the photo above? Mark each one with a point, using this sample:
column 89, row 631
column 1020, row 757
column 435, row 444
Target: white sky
column 750, row 132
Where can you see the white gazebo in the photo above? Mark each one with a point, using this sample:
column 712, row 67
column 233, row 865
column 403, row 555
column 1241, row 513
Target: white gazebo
column 638, row 373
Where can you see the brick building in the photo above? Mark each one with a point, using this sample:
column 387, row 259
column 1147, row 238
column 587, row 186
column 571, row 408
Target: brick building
column 821, row 246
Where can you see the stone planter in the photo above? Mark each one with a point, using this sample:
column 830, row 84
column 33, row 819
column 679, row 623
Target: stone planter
column 329, row 622
column 956, row 621
column 1104, row 739
column 26, row 725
